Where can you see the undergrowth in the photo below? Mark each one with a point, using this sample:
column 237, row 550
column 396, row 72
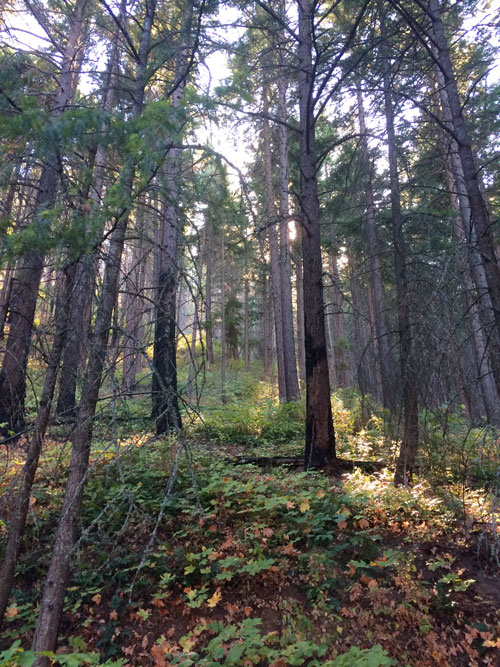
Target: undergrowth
column 238, row 565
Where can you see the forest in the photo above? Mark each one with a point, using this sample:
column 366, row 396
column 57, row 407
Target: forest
column 249, row 333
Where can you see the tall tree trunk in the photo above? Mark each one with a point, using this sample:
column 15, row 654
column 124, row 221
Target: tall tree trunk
column 385, row 357
column 360, row 330
column 193, row 366
column 7, row 206
column 209, row 336
column 475, row 273
column 479, row 213
column 266, row 334
column 222, row 321
column 484, row 377
column 164, row 392
column 246, row 316
column 409, row 444
column 26, row 282
column 18, row 521
column 272, row 224
column 51, row 606
column 320, row 435
column 301, row 353
column 86, row 268
column 336, row 316
column 133, row 307
column 292, row 391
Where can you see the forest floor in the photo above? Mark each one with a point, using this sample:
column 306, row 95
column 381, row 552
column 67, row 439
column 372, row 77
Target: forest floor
column 211, row 563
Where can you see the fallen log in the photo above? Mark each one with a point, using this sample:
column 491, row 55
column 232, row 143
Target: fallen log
column 339, row 465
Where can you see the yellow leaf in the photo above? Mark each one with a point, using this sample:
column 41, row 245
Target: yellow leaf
column 304, row 506
column 187, row 644
column 215, row 599
column 96, row 598
column 491, row 644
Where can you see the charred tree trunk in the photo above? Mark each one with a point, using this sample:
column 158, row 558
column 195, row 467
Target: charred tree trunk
column 320, row 436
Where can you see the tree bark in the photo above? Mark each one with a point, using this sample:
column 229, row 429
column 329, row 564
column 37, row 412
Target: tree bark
column 320, row 435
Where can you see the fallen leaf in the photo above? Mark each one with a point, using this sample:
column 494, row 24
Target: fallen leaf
column 304, row 506
column 363, row 523
column 278, row 663
column 157, row 654
column 96, row 598
column 215, row 599
column 113, row 616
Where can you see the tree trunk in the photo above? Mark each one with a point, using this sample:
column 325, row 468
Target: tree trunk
column 484, row 378
column 361, row 332
column 133, row 307
column 222, row 322
column 336, row 317
column 409, row 444
column 26, row 282
column 301, row 354
column 266, row 314
column 320, row 436
column 209, row 336
column 86, row 269
column 164, row 393
column 271, row 224
column 480, row 217
column 51, row 606
column 18, row 521
column 385, row 357
column 292, row 392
